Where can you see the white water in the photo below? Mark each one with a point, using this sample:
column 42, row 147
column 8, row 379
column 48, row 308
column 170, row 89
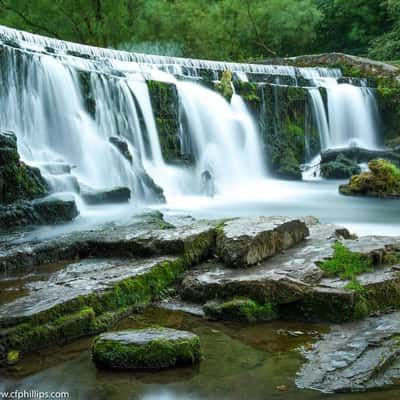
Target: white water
column 351, row 117
column 41, row 101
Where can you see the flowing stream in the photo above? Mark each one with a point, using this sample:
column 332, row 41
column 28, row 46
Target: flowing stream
column 43, row 100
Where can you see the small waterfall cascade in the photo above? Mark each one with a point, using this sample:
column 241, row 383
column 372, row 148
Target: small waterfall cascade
column 67, row 103
column 350, row 118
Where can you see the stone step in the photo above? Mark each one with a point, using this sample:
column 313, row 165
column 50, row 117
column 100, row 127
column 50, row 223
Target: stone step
column 295, row 283
column 244, row 242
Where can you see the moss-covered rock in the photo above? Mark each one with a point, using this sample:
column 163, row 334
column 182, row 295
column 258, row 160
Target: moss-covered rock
column 285, row 113
column 383, row 180
column 341, row 168
column 146, row 349
column 240, row 309
column 18, row 181
column 224, row 86
column 165, row 103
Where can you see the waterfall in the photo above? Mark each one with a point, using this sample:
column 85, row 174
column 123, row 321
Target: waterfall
column 351, row 118
column 68, row 103
column 224, row 137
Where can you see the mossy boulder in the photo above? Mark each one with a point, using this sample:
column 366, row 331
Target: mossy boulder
column 383, row 180
column 341, row 168
column 224, row 86
column 240, row 309
column 18, row 181
column 146, row 349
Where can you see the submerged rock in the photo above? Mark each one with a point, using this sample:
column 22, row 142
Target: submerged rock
column 246, row 241
column 146, row 349
column 354, row 357
column 341, row 168
column 108, row 196
column 383, row 180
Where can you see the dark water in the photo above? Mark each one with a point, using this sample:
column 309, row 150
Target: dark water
column 240, row 362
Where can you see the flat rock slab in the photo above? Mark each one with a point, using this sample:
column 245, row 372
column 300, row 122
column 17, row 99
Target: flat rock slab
column 78, row 279
column 247, row 241
column 294, row 281
column 144, row 238
column 146, row 349
column 354, row 357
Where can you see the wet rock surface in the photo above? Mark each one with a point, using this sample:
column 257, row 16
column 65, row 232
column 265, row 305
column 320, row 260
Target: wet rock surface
column 354, row 357
column 294, row 281
column 71, row 281
column 145, row 236
column 109, row 196
column 341, row 168
column 51, row 210
column 146, row 349
column 246, row 241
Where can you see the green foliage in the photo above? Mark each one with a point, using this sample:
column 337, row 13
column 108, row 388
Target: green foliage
column 383, row 180
column 345, row 264
column 224, row 86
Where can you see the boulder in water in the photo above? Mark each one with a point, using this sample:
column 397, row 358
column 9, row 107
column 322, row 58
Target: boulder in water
column 54, row 210
column 18, row 181
column 146, row 349
column 341, row 168
column 383, row 180
column 108, row 196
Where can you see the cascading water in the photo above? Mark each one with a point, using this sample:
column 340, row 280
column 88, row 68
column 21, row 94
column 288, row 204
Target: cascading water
column 351, row 118
column 43, row 100
column 225, row 139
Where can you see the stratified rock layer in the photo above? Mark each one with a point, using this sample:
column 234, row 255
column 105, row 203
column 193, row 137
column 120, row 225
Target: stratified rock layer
column 246, row 241
column 354, row 357
column 146, row 349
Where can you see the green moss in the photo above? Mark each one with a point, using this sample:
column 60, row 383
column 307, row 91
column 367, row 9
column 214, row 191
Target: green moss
column 224, row 86
column 345, row 264
column 383, row 180
column 165, row 103
column 156, row 354
column 18, row 181
column 240, row 309
column 12, row 357
column 96, row 312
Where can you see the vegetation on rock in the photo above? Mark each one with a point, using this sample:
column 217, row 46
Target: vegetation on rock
column 383, row 180
column 224, row 86
column 240, row 309
column 345, row 264
column 146, row 349
column 18, row 181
